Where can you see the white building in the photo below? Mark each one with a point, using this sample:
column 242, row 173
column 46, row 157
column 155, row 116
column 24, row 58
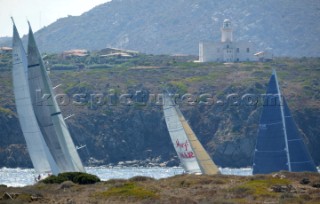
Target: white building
column 264, row 56
column 226, row 50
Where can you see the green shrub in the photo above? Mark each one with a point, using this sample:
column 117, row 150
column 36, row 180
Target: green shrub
column 86, row 179
column 64, row 67
column 141, row 178
column 75, row 177
column 53, row 179
column 99, row 66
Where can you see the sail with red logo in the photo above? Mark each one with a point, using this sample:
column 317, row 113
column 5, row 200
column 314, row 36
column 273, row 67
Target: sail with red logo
column 192, row 155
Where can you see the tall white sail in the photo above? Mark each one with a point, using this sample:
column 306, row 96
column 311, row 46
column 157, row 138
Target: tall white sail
column 191, row 153
column 40, row 156
column 48, row 113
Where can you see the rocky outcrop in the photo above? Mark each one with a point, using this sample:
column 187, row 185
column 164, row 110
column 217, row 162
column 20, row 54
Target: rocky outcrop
column 13, row 151
column 128, row 133
column 135, row 134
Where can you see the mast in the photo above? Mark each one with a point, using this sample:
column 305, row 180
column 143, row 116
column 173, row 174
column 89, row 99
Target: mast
column 283, row 120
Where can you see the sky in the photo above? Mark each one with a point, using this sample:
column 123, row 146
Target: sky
column 40, row 13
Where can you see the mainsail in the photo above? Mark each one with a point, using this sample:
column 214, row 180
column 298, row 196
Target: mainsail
column 38, row 150
column 191, row 153
column 48, row 114
column 279, row 144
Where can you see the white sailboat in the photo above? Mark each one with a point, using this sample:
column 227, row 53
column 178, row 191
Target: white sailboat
column 48, row 140
column 40, row 155
column 191, row 153
column 48, row 113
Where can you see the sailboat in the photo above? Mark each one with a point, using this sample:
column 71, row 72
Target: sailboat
column 193, row 157
column 49, row 142
column 40, row 155
column 48, row 113
column 279, row 145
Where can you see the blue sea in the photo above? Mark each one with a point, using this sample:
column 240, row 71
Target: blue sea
column 17, row 177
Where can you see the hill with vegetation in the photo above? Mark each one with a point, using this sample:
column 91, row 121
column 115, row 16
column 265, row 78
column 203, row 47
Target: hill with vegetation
column 116, row 103
column 221, row 189
column 288, row 27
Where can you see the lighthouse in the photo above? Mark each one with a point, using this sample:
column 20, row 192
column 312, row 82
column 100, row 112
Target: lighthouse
column 226, row 50
column 226, row 31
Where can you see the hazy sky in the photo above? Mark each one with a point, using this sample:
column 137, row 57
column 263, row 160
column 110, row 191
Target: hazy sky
column 39, row 12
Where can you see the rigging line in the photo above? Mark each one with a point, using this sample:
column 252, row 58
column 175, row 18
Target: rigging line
column 68, row 116
column 294, row 140
column 302, row 162
column 269, row 151
column 56, row 86
column 272, row 123
column 32, row 132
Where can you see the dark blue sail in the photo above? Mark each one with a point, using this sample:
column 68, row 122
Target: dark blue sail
column 300, row 158
column 270, row 152
column 279, row 145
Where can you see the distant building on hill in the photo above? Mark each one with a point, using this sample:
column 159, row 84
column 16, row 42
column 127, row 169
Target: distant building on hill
column 116, row 51
column 264, row 56
column 226, row 50
column 75, row 52
column 4, row 50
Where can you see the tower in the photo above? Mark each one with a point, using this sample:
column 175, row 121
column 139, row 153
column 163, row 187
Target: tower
column 226, row 31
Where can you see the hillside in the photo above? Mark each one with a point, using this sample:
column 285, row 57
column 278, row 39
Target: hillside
column 288, row 27
column 116, row 127
column 283, row 187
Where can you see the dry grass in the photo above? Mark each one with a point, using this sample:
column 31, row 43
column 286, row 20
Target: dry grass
column 177, row 189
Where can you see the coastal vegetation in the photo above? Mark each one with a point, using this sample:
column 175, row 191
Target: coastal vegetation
column 75, row 177
column 117, row 114
column 283, row 187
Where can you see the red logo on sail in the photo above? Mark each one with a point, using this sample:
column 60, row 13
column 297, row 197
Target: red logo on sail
column 186, row 155
column 184, row 147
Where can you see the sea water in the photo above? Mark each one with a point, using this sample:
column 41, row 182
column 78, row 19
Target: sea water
column 17, row 177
